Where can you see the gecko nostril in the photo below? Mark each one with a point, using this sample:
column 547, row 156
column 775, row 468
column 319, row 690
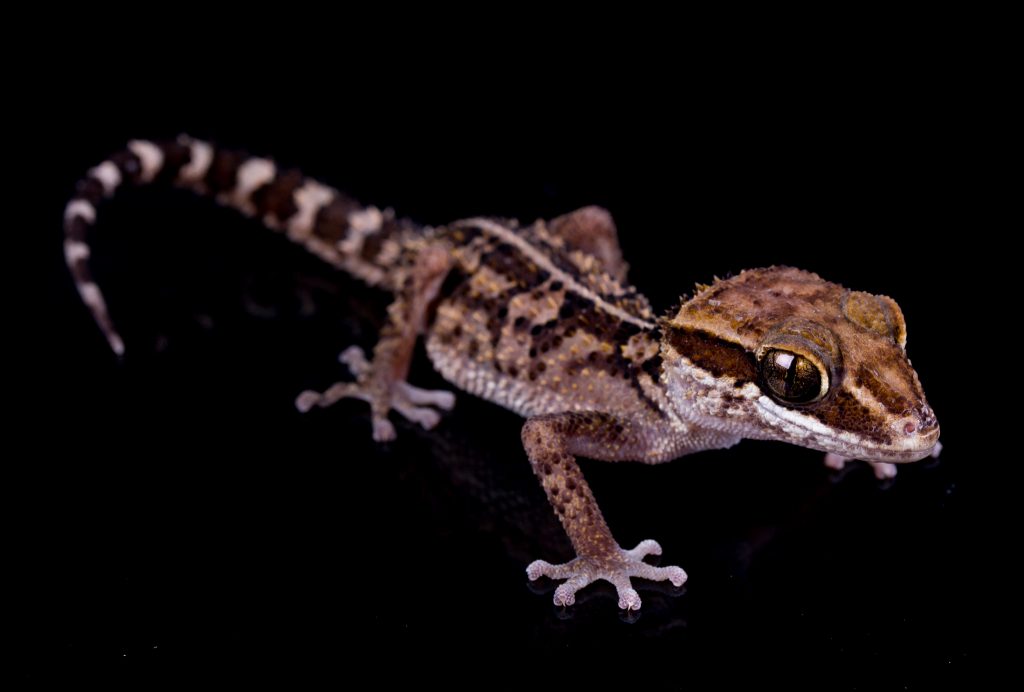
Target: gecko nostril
column 909, row 428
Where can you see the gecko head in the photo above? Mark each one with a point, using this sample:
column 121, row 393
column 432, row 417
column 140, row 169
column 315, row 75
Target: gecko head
column 781, row 354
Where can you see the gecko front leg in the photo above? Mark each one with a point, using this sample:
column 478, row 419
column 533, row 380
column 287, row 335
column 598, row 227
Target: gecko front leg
column 883, row 471
column 551, row 442
column 382, row 383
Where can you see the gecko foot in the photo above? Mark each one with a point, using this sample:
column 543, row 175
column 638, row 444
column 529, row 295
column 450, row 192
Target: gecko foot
column 411, row 402
column 616, row 567
column 354, row 358
column 883, row 470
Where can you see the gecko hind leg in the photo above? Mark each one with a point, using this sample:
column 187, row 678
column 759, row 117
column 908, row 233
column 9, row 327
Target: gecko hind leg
column 381, row 382
column 592, row 230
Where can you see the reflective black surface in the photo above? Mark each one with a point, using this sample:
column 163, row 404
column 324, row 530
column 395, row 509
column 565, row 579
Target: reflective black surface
column 176, row 517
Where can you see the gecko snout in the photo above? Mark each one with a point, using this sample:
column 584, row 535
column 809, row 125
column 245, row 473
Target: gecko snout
column 918, row 431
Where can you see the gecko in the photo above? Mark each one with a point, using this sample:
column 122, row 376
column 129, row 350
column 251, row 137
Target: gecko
column 541, row 319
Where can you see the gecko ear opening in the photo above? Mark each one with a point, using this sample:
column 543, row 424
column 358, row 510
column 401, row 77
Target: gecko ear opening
column 878, row 314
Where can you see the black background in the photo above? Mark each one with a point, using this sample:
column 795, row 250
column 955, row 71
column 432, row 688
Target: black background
column 175, row 517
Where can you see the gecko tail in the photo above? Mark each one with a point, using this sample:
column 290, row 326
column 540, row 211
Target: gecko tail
column 360, row 240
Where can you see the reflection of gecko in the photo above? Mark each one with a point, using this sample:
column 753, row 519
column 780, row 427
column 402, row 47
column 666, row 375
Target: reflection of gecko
column 540, row 319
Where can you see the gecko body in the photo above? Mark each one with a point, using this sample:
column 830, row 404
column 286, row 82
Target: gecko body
column 540, row 319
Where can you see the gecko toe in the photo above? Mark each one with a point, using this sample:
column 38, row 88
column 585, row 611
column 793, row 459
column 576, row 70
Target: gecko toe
column 540, row 568
column 676, row 575
column 441, row 398
column 537, row 569
column 427, row 418
column 645, row 548
column 383, row 430
column 305, row 401
column 883, row 471
column 672, row 574
column 565, row 595
column 629, row 599
column 835, row 462
column 354, row 358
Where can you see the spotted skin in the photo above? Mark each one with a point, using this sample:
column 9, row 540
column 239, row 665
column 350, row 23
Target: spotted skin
column 541, row 320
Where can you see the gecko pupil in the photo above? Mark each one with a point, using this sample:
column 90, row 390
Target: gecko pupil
column 790, row 377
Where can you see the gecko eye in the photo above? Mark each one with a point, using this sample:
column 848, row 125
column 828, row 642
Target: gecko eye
column 792, row 378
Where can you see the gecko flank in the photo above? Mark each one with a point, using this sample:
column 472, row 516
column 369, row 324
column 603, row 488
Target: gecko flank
column 541, row 320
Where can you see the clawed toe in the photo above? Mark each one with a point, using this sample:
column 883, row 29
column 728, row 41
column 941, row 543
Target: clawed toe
column 540, row 568
column 440, row 398
column 537, row 569
column 644, row 548
column 428, row 418
column 629, row 599
column 383, row 430
column 883, row 471
column 835, row 462
column 306, row 400
column 354, row 358
column 565, row 595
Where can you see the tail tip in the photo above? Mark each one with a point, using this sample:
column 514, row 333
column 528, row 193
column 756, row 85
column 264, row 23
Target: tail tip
column 116, row 344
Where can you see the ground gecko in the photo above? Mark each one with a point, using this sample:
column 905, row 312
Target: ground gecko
column 540, row 319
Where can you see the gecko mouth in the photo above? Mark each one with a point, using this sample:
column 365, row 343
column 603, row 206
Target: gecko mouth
column 913, row 444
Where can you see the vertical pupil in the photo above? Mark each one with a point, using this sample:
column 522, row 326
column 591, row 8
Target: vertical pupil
column 791, row 374
column 785, row 362
column 792, row 377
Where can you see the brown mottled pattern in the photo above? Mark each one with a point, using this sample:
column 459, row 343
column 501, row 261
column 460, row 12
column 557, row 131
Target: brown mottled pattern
column 390, row 229
column 744, row 308
column 548, row 441
column 533, row 329
column 567, row 255
column 541, row 320
column 519, row 277
column 461, row 237
column 506, row 261
column 754, row 308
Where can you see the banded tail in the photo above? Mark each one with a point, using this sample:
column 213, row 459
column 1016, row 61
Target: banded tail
column 363, row 241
